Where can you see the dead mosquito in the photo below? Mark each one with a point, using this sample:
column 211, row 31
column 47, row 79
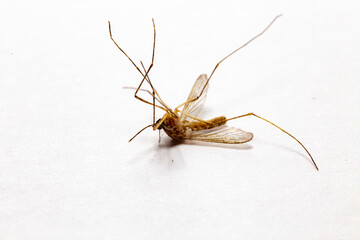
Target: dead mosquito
column 185, row 124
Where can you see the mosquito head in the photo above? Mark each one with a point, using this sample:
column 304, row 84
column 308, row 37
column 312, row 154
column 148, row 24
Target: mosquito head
column 157, row 123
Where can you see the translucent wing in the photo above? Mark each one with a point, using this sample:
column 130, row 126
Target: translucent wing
column 221, row 134
column 194, row 108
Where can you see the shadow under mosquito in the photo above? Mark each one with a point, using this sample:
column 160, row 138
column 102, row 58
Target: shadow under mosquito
column 164, row 153
column 168, row 155
column 167, row 152
column 276, row 145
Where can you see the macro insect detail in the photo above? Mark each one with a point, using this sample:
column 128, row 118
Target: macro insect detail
column 185, row 124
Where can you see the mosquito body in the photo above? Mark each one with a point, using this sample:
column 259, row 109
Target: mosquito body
column 180, row 130
column 185, row 124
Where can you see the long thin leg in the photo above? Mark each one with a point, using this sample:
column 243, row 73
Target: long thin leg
column 152, row 60
column 154, row 91
column 123, row 50
column 145, row 90
column 140, row 132
column 216, row 66
column 143, row 100
column 188, row 101
column 151, row 103
column 253, row 114
column 146, row 72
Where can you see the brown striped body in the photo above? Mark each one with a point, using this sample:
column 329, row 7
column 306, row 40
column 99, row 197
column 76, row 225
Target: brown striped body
column 196, row 126
column 179, row 130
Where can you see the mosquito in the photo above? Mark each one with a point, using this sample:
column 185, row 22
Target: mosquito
column 185, row 124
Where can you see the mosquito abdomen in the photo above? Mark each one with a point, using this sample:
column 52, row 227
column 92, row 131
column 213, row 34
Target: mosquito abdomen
column 218, row 121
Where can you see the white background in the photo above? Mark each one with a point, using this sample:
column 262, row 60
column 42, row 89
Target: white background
column 68, row 172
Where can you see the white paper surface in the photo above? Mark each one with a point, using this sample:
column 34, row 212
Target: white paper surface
column 68, row 172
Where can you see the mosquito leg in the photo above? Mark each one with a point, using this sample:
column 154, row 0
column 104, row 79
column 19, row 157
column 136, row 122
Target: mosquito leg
column 143, row 100
column 153, row 53
column 139, row 132
column 155, row 92
column 145, row 90
column 146, row 72
column 123, row 50
column 188, row 101
column 150, row 103
column 141, row 89
column 217, row 65
column 152, row 59
column 147, row 77
column 138, row 89
column 253, row 114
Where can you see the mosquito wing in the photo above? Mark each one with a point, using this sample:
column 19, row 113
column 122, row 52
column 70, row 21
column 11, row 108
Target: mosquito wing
column 194, row 108
column 222, row 134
